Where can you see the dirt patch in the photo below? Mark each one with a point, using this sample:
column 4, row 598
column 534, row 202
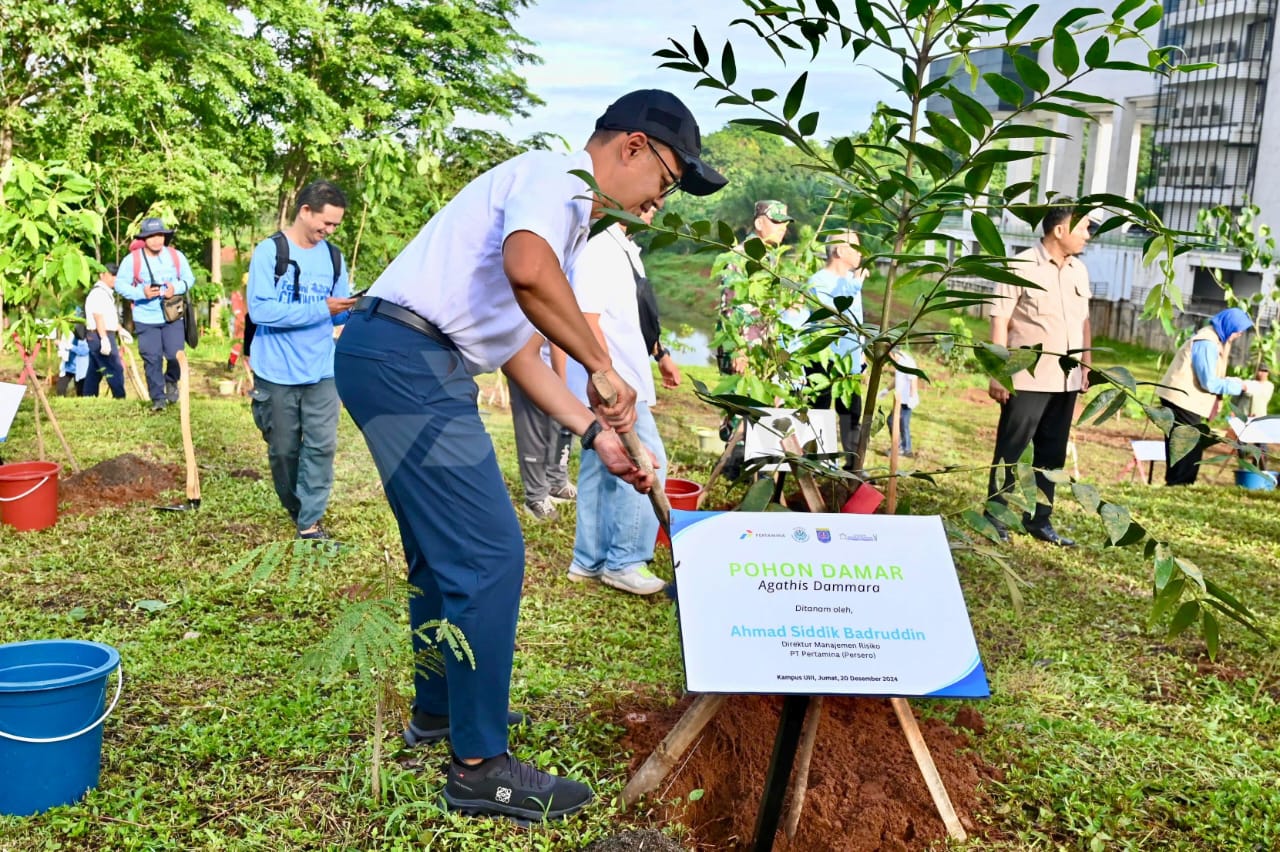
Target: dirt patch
column 117, row 481
column 646, row 840
column 977, row 396
column 865, row 791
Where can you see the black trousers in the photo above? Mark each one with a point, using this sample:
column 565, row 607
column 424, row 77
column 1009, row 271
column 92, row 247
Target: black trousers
column 849, row 416
column 1042, row 419
column 1185, row 470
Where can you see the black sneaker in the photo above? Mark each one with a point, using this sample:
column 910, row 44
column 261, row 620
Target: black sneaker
column 504, row 786
column 425, row 729
column 317, row 534
column 158, row 406
column 171, row 391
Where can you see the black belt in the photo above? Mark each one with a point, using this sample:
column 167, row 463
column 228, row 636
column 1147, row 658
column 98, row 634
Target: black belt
column 402, row 316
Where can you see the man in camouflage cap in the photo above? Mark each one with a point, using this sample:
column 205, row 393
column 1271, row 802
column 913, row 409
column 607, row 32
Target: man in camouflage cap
column 770, row 225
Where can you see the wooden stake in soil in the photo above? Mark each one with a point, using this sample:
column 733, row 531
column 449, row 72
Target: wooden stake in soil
column 29, row 370
column 136, row 379
column 809, row 733
column 663, row 759
column 907, row 719
column 924, row 760
column 188, row 446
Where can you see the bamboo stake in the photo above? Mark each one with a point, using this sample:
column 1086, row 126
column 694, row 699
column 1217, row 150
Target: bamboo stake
column 924, row 760
column 673, row 746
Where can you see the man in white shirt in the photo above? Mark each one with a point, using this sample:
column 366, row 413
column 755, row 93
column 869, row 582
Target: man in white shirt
column 478, row 289
column 616, row 527
column 103, row 322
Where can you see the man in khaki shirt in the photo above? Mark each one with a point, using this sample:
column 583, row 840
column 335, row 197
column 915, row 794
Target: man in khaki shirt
column 1041, row 407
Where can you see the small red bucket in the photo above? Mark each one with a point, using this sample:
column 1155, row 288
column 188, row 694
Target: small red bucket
column 681, row 494
column 29, row 495
column 864, row 501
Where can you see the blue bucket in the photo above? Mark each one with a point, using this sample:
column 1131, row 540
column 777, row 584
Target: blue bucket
column 1263, row 480
column 52, row 695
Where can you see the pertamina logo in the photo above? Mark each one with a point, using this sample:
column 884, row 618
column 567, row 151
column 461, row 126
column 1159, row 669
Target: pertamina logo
column 753, row 534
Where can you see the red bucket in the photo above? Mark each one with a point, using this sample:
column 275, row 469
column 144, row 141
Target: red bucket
column 29, row 495
column 681, row 494
column 865, row 501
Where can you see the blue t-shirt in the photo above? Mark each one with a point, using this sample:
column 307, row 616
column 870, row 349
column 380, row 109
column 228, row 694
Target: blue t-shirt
column 294, row 341
column 158, row 269
column 826, row 285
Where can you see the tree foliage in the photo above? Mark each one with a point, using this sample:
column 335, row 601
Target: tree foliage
column 927, row 163
column 216, row 114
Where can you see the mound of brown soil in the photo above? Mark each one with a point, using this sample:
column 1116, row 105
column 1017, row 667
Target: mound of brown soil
column 865, row 790
column 116, row 482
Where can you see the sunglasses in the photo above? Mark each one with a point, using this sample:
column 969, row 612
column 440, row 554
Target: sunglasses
column 675, row 179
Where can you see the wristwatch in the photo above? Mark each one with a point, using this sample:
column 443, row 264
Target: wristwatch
column 662, row 353
column 589, row 437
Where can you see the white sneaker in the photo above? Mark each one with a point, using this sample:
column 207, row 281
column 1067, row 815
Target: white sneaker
column 578, row 574
column 636, row 579
column 564, row 493
column 541, row 509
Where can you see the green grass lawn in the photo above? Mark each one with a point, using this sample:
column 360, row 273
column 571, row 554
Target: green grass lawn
column 1106, row 734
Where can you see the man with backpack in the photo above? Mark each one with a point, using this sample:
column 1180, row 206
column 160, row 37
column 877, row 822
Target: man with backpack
column 298, row 291
column 153, row 276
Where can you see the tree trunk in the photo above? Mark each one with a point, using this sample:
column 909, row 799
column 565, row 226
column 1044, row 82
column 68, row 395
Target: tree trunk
column 6, row 154
column 215, row 277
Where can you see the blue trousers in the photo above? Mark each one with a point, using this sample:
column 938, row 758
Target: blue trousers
column 416, row 407
column 904, row 429
column 100, row 364
column 616, row 527
column 300, row 425
column 155, row 344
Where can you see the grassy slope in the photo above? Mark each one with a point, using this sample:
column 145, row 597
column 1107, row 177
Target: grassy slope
column 1109, row 735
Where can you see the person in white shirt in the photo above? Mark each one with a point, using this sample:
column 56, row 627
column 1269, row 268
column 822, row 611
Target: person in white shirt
column 103, row 321
column 616, row 527
column 479, row 288
column 907, row 387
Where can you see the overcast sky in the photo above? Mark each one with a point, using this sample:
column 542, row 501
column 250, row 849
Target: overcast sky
column 595, row 52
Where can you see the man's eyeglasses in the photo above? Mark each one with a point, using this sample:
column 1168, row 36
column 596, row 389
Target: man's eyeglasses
column 675, row 178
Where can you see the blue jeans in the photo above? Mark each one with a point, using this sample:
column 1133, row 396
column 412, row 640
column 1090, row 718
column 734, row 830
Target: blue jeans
column 100, row 364
column 416, row 406
column 155, row 344
column 904, row 430
column 616, row 525
column 300, row 425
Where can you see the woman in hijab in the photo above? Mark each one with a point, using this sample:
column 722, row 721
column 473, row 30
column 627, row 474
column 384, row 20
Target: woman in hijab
column 1195, row 382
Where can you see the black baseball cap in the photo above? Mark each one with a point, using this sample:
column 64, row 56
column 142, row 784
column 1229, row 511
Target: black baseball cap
column 660, row 115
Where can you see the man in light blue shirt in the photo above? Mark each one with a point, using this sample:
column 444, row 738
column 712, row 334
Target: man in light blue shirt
column 842, row 277
column 295, row 401
column 148, row 275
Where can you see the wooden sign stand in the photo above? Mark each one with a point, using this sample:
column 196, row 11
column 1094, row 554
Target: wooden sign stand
column 797, row 726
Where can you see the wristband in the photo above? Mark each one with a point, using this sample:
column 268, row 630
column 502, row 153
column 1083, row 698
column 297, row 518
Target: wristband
column 589, row 437
column 662, row 353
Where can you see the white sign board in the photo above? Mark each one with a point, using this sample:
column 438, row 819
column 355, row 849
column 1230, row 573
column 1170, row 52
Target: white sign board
column 10, row 399
column 822, row 604
column 1260, row 430
column 1148, row 451
column 764, row 438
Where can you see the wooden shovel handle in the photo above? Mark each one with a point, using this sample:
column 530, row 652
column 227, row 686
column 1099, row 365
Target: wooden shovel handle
column 639, row 455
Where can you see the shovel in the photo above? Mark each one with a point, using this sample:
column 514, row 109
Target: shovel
column 188, row 447
column 639, row 455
